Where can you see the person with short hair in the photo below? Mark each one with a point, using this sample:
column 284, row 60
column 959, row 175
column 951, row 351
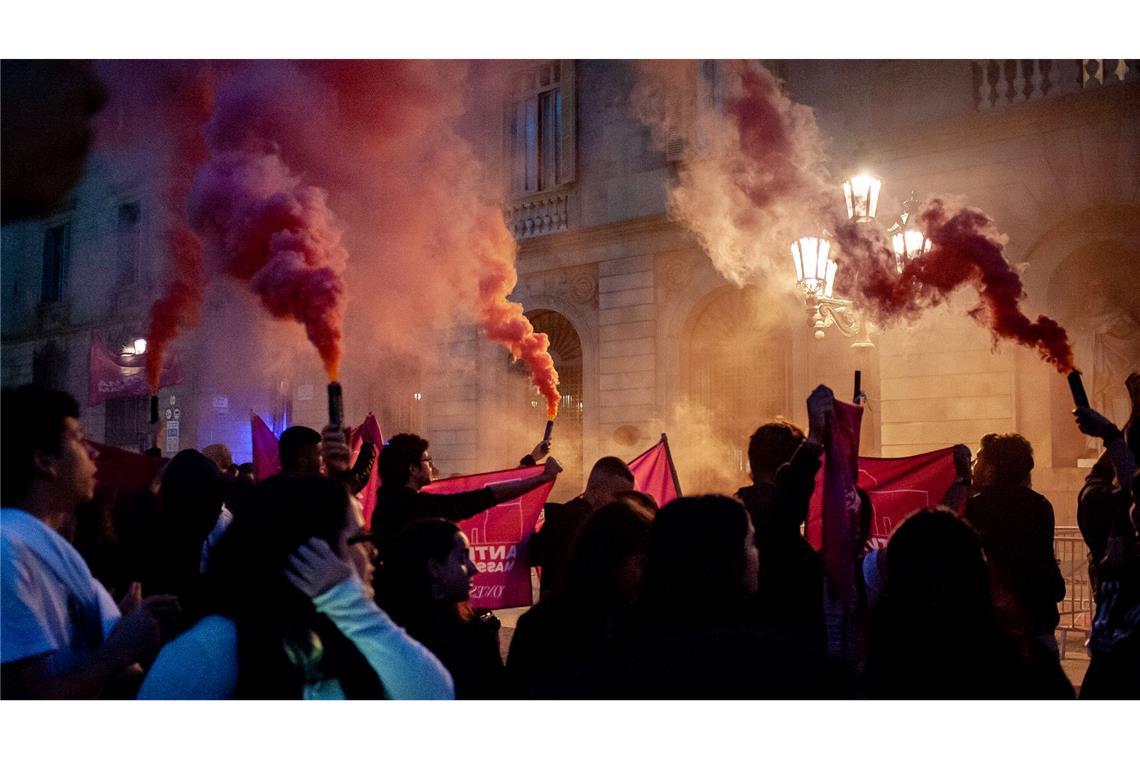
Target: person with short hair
column 784, row 464
column 1015, row 524
column 550, row 546
column 61, row 634
column 406, row 467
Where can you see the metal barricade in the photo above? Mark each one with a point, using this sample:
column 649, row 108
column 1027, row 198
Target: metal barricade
column 1077, row 607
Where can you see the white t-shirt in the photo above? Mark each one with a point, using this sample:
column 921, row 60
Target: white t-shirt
column 51, row 602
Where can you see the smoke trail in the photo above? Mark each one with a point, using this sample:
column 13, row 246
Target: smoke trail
column 754, row 182
column 158, row 109
column 502, row 320
column 753, row 179
column 965, row 249
column 265, row 226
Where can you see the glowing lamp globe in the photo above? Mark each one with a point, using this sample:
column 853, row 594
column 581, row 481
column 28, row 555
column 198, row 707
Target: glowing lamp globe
column 815, row 271
column 140, row 346
column 862, row 195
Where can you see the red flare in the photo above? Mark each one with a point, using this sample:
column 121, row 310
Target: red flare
column 503, row 321
column 966, row 249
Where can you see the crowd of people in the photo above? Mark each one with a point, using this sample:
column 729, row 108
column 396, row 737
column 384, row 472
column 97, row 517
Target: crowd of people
column 223, row 587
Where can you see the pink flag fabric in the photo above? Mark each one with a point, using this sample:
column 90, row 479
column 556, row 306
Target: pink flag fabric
column 499, row 537
column 654, row 473
column 840, row 508
column 368, row 431
column 898, row 486
column 113, row 376
column 266, row 458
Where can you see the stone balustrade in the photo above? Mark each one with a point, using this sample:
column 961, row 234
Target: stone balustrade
column 1002, row 83
column 539, row 214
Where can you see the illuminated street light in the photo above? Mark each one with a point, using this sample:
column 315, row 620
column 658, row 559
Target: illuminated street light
column 862, row 195
column 908, row 240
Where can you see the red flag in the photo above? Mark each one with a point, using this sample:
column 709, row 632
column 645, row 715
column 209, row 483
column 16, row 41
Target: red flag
column 654, row 473
column 266, row 457
column 111, row 375
column 499, row 537
column 898, row 487
column 122, row 474
column 368, row 431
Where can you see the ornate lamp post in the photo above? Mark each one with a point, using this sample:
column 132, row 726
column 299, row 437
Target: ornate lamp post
column 815, row 274
column 815, row 269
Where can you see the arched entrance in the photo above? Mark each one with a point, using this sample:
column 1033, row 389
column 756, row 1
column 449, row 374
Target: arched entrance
column 566, row 351
column 737, row 369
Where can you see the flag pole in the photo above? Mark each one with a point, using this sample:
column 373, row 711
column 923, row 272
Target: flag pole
column 672, row 467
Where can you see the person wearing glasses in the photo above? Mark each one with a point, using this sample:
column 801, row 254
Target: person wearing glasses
column 286, row 611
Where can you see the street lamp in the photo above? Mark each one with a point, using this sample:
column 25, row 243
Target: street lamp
column 862, row 195
column 907, row 240
column 815, row 274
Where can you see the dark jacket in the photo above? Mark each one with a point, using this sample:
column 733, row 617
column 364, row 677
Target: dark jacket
column 399, row 506
column 549, row 548
column 1015, row 525
column 469, row 649
column 791, row 573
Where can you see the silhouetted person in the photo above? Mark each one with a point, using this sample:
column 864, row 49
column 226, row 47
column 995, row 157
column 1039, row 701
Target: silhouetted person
column 304, row 451
column 189, row 509
column 1107, row 516
column 550, row 546
column 691, row 637
column 1015, row 524
column 934, row 633
column 784, row 465
column 559, row 642
column 406, row 467
column 428, row 588
column 288, row 612
column 62, row 635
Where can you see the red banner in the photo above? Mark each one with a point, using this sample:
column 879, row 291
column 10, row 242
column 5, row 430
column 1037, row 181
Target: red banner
column 266, row 457
column 655, row 475
column 112, row 375
column 368, row 432
column 499, row 537
column 898, row 487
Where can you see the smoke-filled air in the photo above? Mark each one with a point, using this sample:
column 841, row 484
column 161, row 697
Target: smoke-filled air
column 754, row 179
column 340, row 192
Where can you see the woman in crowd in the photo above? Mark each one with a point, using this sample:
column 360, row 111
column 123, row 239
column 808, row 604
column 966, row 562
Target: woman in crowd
column 427, row 589
column 934, row 634
column 692, row 637
column 288, row 611
column 561, row 637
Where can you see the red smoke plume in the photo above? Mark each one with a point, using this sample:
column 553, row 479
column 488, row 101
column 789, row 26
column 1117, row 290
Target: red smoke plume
column 190, row 97
column 966, row 249
column 277, row 234
column 502, row 320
